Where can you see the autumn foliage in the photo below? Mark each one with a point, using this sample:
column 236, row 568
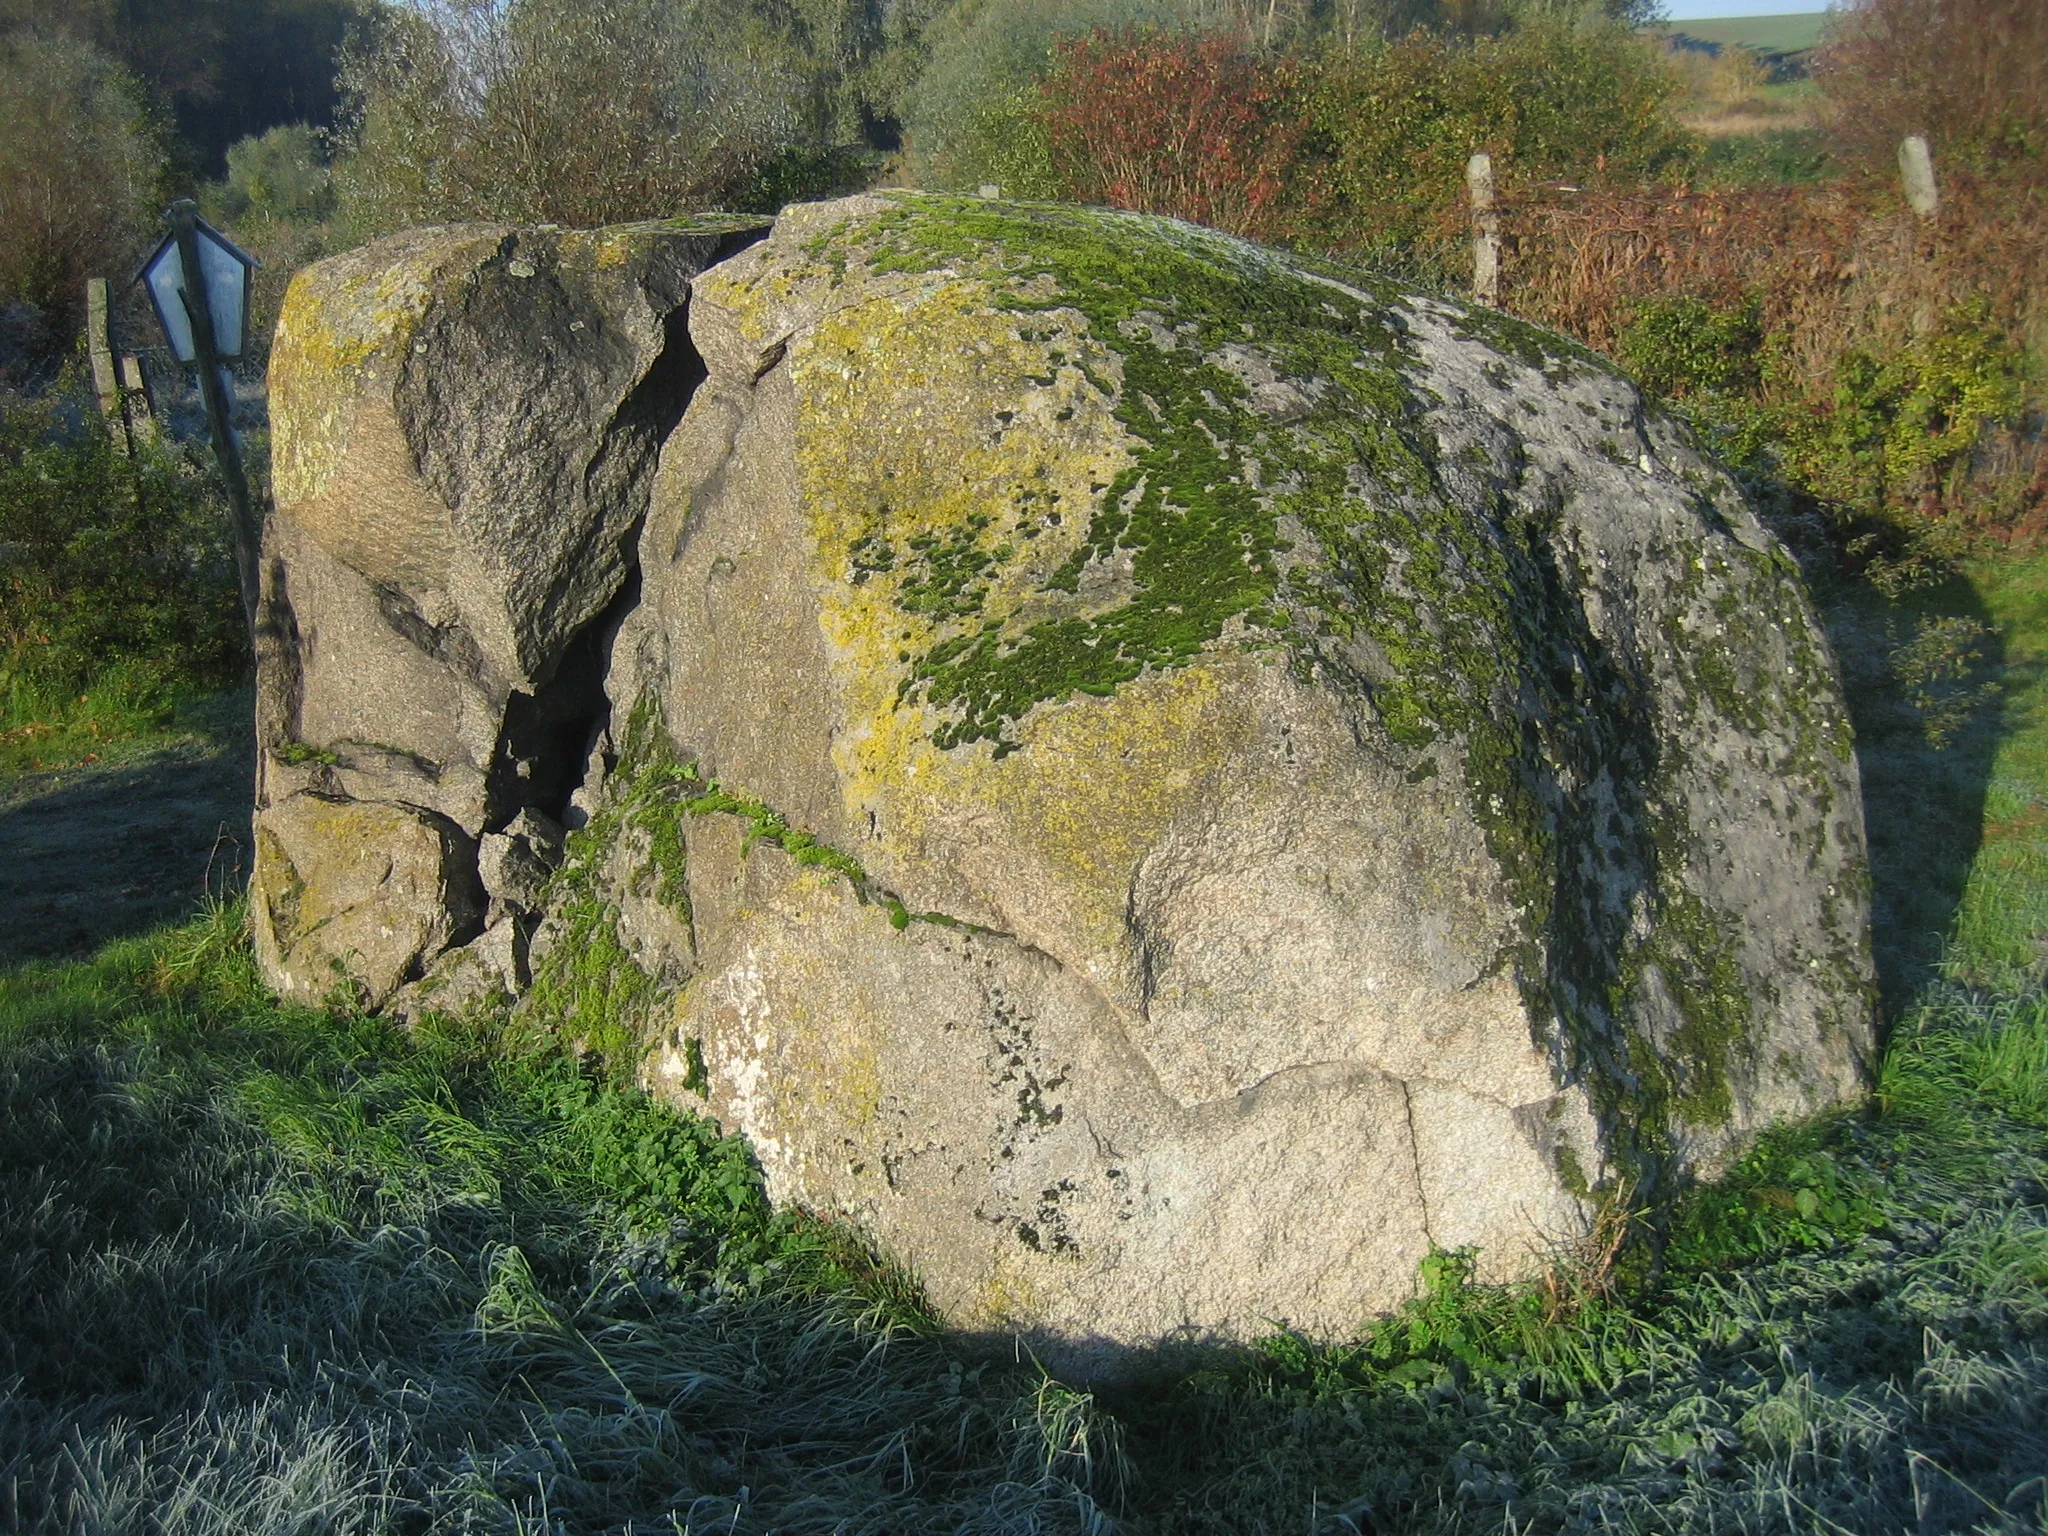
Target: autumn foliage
column 1970, row 74
column 1881, row 353
column 1192, row 127
column 1355, row 152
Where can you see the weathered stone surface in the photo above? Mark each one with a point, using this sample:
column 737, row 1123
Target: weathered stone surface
column 466, row 423
column 353, row 707
column 345, row 891
column 515, row 863
column 468, row 415
column 1161, row 780
column 1390, row 781
column 488, row 971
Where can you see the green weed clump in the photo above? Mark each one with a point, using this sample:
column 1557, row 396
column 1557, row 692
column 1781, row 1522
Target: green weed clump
column 118, row 605
column 586, row 982
column 1888, row 444
column 1688, row 347
column 588, row 986
column 117, row 585
column 1903, row 427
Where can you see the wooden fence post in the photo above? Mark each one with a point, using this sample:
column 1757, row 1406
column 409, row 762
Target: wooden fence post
column 135, row 401
column 1485, row 229
column 1916, row 170
column 106, row 383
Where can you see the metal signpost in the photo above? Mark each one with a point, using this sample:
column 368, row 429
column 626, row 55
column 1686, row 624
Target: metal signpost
column 206, row 328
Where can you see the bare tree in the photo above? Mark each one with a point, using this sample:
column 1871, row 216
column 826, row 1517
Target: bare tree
column 570, row 111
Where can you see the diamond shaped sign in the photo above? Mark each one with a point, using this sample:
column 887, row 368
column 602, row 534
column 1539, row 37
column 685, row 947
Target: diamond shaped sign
column 225, row 269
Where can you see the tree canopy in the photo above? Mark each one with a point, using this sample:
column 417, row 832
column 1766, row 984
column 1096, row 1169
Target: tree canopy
column 222, row 70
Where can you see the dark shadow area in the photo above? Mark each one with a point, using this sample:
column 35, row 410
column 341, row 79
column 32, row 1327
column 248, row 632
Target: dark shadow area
column 103, row 852
column 1923, row 803
column 195, row 1311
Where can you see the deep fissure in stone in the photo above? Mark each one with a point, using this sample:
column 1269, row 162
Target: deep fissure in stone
column 550, row 743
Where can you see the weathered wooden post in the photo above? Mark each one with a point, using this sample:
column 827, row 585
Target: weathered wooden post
column 135, row 401
column 116, row 376
column 106, row 382
column 198, row 280
column 1916, row 170
column 1485, row 229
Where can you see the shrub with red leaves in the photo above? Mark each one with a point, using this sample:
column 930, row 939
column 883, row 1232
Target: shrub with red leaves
column 1193, row 127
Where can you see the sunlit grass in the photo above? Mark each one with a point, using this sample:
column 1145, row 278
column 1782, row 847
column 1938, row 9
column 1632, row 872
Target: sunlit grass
column 126, row 713
column 2002, row 918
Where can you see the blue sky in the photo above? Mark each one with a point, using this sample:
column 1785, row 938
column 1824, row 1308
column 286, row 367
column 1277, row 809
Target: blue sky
column 1703, row 10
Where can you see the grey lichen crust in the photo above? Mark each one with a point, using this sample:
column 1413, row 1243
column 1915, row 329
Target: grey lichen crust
column 1167, row 780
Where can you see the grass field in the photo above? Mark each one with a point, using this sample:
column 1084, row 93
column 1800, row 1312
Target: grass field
column 129, row 713
column 1744, row 89
column 275, row 1270
column 1766, row 34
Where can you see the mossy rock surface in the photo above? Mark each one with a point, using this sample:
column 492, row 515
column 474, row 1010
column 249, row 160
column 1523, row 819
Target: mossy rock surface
column 1315, row 705
column 351, row 896
column 1167, row 780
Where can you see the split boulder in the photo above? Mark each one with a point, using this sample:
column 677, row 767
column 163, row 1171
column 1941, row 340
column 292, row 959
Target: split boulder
column 466, row 422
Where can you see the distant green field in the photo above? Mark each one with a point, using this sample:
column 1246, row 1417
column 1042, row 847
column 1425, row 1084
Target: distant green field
column 1768, row 34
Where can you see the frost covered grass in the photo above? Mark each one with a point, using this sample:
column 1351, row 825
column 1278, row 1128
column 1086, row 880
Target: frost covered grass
column 269, row 1271
column 275, row 1270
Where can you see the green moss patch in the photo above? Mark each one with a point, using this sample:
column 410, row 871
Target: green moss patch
column 1198, row 511
column 1283, row 490
column 588, row 983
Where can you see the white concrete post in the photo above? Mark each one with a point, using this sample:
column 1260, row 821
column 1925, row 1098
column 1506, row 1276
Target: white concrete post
column 1485, row 229
column 1916, row 170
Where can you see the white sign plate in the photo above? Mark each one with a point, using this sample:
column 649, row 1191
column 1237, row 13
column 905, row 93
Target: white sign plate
column 225, row 267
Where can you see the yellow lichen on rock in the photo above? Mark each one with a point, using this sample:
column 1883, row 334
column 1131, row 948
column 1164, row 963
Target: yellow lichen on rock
column 938, row 417
column 339, row 315
column 1097, row 785
column 352, row 891
column 602, row 250
column 1009, row 1295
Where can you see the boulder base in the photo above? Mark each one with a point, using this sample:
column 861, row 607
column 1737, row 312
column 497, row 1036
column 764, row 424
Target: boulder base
column 348, row 891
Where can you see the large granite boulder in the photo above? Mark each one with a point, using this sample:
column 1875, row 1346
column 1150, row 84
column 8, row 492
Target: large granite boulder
column 466, row 422
column 1165, row 781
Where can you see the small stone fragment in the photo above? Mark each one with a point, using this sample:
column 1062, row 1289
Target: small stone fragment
column 515, row 863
